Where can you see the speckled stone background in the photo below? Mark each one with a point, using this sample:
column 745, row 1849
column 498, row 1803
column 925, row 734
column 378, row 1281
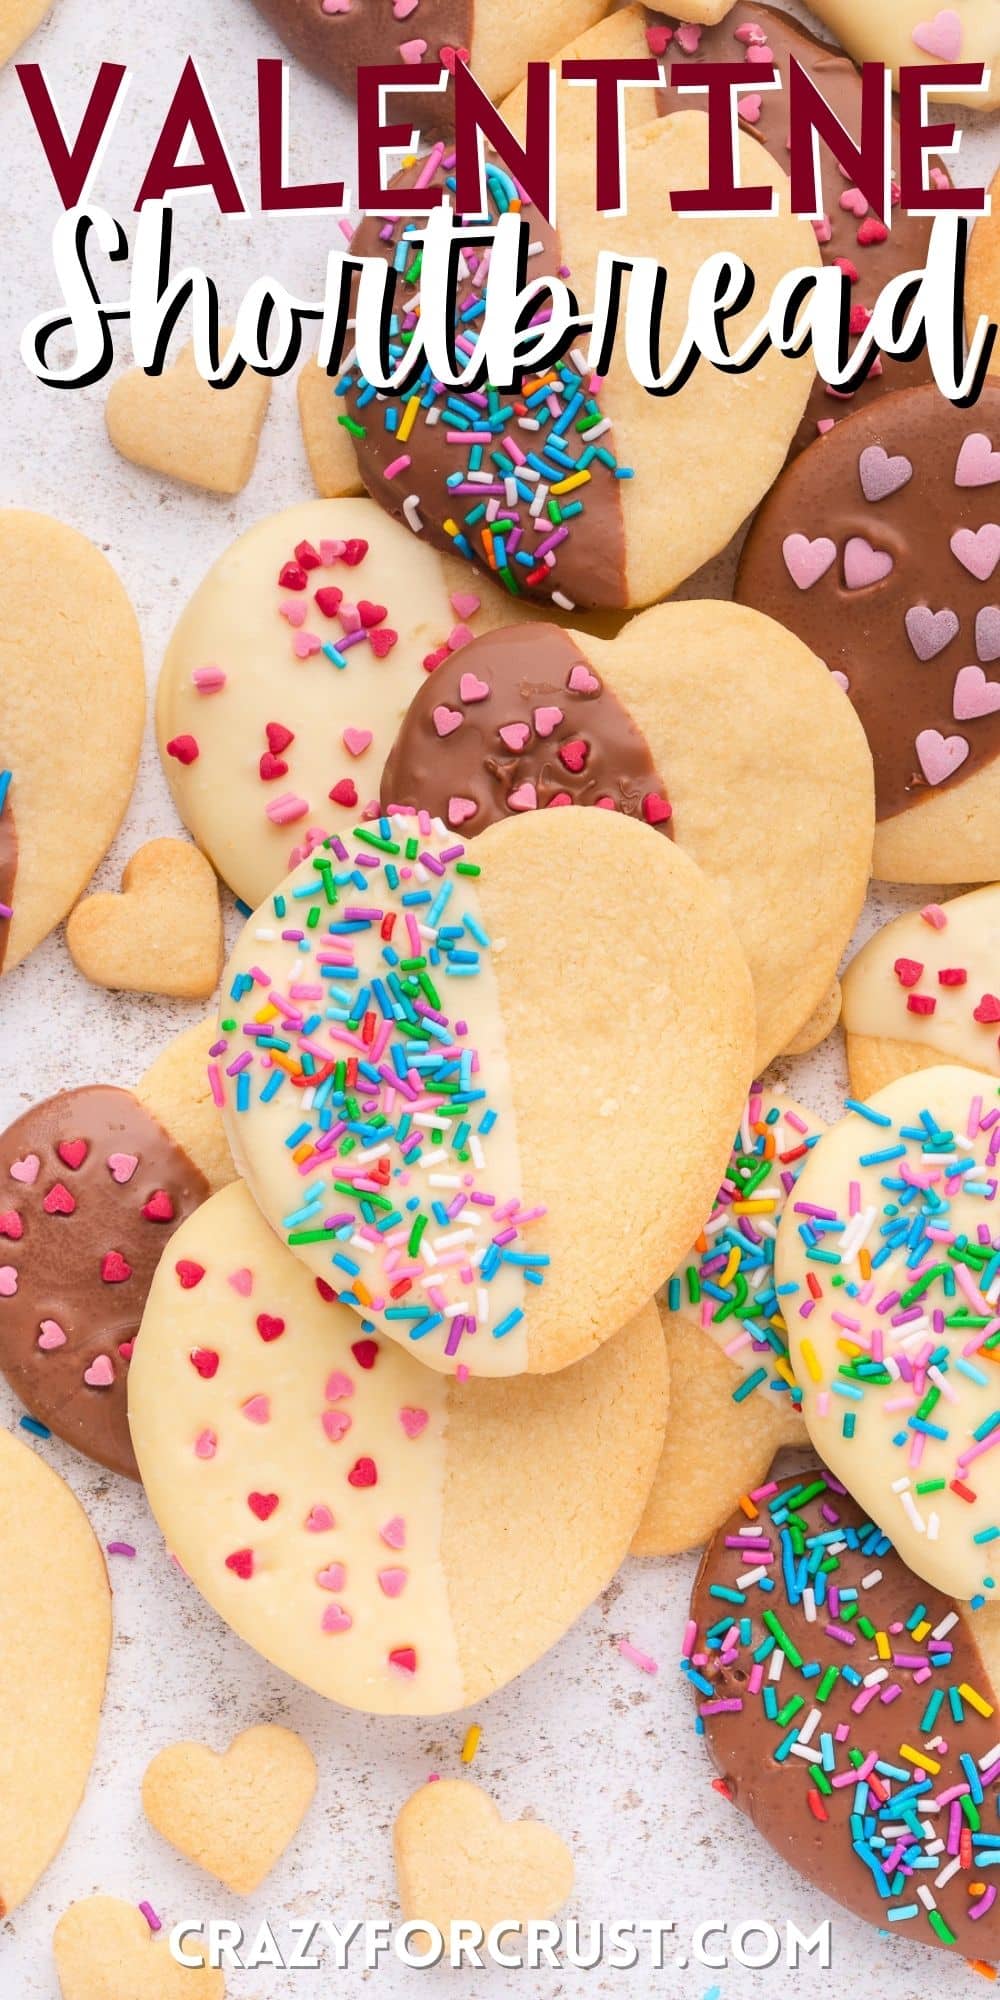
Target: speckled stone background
column 604, row 1753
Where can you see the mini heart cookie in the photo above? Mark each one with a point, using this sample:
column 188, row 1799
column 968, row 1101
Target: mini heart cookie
column 232, row 1813
column 104, row 1950
column 458, row 1858
column 161, row 934
column 176, row 423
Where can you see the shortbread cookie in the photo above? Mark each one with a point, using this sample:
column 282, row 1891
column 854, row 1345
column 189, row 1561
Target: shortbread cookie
column 890, row 1252
column 438, row 1079
column 364, row 1522
column 982, row 277
column 926, row 990
column 290, row 672
column 901, row 33
column 583, row 492
column 851, row 1713
column 459, row 1860
column 232, row 1812
column 161, row 934
column 93, row 1183
column 72, row 701
column 654, row 725
column 106, row 1950
column 176, row 423
column 335, row 37
column 880, row 547
column 819, row 1025
column 19, row 20
column 734, row 1400
column 328, row 445
column 55, row 1635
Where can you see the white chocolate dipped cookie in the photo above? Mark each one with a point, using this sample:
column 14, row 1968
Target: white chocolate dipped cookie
column 890, row 1250
column 363, row 1522
column 926, row 990
column 289, row 673
column 904, row 33
column 734, row 1400
column 487, row 1094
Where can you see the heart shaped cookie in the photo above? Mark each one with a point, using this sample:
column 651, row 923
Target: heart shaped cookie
column 233, row 1813
column 20, row 19
column 104, row 1950
column 328, row 447
column 161, row 934
column 55, row 1636
column 176, row 423
column 926, row 990
column 458, row 1859
column 72, row 701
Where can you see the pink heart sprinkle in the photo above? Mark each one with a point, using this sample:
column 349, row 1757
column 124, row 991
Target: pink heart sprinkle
column 413, row 1421
column 854, row 202
column 750, row 107
column 413, row 52
column 881, row 475
column 205, row 1444
column 51, row 1336
column 295, row 612
column 242, row 1282
column 978, row 552
column 332, row 1577
column 122, row 1166
column 26, row 1170
column 8, row 1281
column 523, row 799
column 319, row 1520
column 394, row 1533
column 688, row 38
column 461, row 809
column 357, row 741
column 286, row 810
column 101, row 1372
column 257, row 1409
column 446, row 720
column 208, row 680
column 929, row 632
column 978, row 463
column 336, row 1619
column 305, row 644
column 974, row 695
column 941, row 37
column 987, row 633
column 458, row 637
column 807, row 561
column 337, row 1385
column 863, row 565
column 464, row 605
column 402, row 9
column 336, row 1424
column 515, row 735
column 582, row 681
column 392, row 1582
column 547, row 719
column 841, row 679
column 336, row 6
column 940, row 756
column 471, row 688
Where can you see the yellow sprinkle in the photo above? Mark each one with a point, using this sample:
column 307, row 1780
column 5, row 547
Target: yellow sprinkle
column 917, row 1757
column 567, row 485
column 976, row 1700
column 850, row 1348
column 882, row 1646
column 732, row 1267
column 409, row 419
column 450, row 527
column 811, row 1360
column 471, row 1744
column 268, row 1012
column 753, row 1207
column 786, row 1373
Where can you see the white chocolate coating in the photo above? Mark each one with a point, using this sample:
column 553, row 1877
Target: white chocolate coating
column 877, row 1002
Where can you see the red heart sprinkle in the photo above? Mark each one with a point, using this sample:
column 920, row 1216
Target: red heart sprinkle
column 851, row 272
column 908, row 971
column 184, row 748
column 189, row 1273
column 355, row 553
column 325, row 1291
column 345, row 792
column 872, row 231
column 656, row 809
column 364, row 1352
column 921, row 1003
column 382, row 641
column 271, row 766
column 435, row 659
column 59, row 1201
column 241, row 1562
column 73, row 1152
column 560, row 799
column 268, row 1327
column 205, row 1360
column 159, row 1207
column 329, row 599
column 125, row 1349
column 114, row 1269
column 363, row 1473
column 11, row 1225
column 404, row 1657
column 988, row 1009
column 262, row 1504
column 309, row 557
column 574, row 754
column 278, row 737
column 370, row 614
column 952, row 975
column 292, row 577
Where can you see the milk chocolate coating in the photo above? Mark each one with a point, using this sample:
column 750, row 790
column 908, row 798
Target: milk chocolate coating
column 8, row 870
column 58, row 1258
column 526, row 669
column 775, row 1796
column 335, row 46
column 862, row 632
column 590, row 563
column 839, row 80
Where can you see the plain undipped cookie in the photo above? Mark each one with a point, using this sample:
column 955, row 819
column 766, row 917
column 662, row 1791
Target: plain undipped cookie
column 55, row 1635
column 328, row 446
column 653, row 724
column 93, row 1182
column 176, row 423
column 926, row 990
column 459, row 1860
column 105, row 1950
column 162, row 933
column 232, row 1812
column 529, row 1057
column 982, row 274
column 364, row 1522
column 72, row 702
column 20, row 19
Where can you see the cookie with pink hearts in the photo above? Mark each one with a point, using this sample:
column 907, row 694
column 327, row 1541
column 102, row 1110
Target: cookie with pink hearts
column 880, row 548
column 904, row 33
column 93, row 1184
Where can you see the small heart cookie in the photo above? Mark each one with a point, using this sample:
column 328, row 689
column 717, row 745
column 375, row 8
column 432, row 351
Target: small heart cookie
column 457, row 1858
column 232, row 1813
column 105, row 1950
column 178, row 424
column 328, row 445
column 161, row 934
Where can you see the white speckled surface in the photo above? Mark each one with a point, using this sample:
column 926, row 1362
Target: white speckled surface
column 604, row 1753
